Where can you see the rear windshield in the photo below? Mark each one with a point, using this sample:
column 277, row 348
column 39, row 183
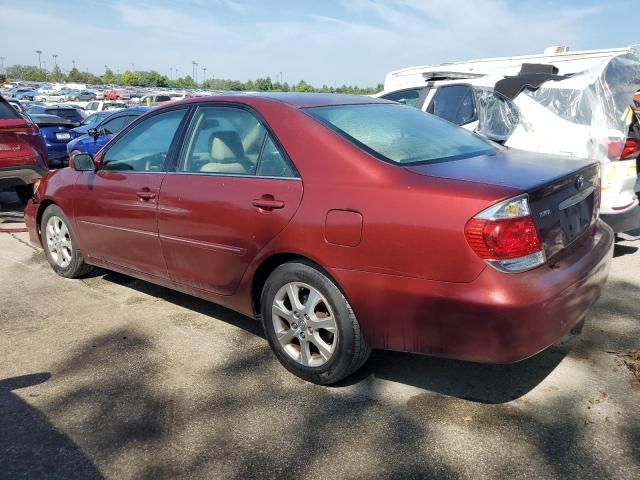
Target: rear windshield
column 67, row 113
column 401, row 134
column 7, row 111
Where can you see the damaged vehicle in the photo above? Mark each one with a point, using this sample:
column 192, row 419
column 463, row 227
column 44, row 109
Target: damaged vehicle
column 578, row 104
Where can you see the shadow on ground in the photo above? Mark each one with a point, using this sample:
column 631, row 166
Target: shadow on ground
column 32, row 448
column 470, row 381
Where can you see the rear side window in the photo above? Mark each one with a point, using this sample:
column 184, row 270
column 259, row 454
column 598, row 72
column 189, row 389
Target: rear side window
column 7, row 111
column 67, row 113
column 401, row 134
column 114, row 125
column 454, row 103
column 408, row 97
column 145, row 147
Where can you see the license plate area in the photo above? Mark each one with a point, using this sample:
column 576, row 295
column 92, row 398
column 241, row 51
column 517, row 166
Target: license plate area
column 576, row 214
column 63, row 136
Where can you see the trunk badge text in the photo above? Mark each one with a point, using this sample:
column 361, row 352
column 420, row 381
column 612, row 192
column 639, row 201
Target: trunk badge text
column 545, row 213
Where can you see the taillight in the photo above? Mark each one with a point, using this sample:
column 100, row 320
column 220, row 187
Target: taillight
column 619, row 149
column 505, row 236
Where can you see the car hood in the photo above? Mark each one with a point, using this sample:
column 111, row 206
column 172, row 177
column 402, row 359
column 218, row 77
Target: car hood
column 507, row 167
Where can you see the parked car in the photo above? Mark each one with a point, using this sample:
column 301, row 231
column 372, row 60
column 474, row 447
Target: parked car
column 101, row 105
column 155, row 99
column 91, row 137
column 84, row 95
column 580, row 114
column 17, row 105
column 58, row 96
column 69, row 112
column 23, row 154
column 24, row 94
column 412, row 234
column 56, row 132
column 112, row 95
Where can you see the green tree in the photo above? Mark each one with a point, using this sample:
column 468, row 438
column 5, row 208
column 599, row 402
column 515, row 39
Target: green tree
column 303, row 86
column 75, row 75
column 109, row 78
column 57, row 75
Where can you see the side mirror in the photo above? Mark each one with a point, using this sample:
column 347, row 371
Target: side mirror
column 82, row 162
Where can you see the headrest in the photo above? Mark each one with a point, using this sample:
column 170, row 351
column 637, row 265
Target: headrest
column 226, row 145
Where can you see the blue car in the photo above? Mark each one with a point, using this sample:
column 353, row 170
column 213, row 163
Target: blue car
column 56, row 132
column 99, row 128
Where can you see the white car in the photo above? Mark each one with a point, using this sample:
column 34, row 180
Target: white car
column 585, row 115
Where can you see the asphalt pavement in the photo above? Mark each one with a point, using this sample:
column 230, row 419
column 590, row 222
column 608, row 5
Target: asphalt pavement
column 111, row 377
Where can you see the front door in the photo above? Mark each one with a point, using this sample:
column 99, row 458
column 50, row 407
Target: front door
column 234, row 190
column 116, row 210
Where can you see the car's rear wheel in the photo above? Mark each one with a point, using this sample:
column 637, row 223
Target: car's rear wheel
column 60, row 245
column 310, row 324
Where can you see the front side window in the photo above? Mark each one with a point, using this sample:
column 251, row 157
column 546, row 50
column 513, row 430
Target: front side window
column 145, row 147
column 113, row 125
column 408, row 97
column 401, row 134
column 454, row 103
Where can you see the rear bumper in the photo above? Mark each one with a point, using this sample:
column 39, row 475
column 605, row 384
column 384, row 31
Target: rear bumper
column 24, row 175
column 498, row 318
column 623, row 222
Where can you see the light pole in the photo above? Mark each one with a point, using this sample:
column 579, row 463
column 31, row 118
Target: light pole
column 39, row 52
column 74, row 64
column 170, row 73
column 133, row 67
column 2, row 64
column 55, row 60
column 194, row 64
column 204, row 74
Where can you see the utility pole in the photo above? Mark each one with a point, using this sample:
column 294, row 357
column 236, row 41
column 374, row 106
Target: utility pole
column 39, row 52
column 204, row 74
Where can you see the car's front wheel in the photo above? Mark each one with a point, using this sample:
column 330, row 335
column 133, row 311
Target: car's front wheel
column 60, row 245
column 310, row 324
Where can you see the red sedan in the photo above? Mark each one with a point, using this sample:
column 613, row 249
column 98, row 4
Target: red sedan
column 343, row 223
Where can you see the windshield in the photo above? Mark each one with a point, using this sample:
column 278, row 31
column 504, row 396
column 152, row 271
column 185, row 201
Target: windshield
column 401, row 134
column 93, row 119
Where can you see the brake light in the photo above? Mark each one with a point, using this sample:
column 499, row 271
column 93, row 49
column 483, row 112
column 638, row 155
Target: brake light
column 618, row 149
column 506, row 237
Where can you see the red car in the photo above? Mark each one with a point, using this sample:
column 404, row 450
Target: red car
column 23, row 153
column 343, row 223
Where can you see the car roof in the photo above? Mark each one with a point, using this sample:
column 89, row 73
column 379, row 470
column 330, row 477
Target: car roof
column 293, row 99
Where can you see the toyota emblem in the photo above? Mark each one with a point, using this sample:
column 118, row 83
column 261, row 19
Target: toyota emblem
column 579, row 182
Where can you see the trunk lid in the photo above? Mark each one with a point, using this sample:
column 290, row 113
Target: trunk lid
column 563, row 192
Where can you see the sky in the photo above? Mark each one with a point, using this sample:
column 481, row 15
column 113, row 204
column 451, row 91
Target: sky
column 323, row 41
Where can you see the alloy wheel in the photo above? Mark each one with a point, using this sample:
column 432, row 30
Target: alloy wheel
column 304, row 324
column 59, row 241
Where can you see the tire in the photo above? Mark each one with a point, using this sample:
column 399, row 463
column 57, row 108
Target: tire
column 60, row 246
column 321, row 343
column 24, row 192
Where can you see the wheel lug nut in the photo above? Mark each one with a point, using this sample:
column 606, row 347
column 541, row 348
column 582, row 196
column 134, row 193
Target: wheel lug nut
column 294, row 325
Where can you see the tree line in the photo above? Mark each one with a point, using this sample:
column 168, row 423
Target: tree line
column 153, row 78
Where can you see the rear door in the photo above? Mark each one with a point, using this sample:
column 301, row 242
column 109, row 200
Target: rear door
column 233, row 191
column 116, row 210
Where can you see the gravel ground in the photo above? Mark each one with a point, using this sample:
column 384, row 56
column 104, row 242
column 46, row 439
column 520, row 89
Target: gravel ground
column 111, row 377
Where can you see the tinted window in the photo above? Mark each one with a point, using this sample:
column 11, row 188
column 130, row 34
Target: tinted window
column 454, row 103
column 114, row 125
column 7, row 111
column 163, row 98
column 95, row 118
column 401, row 134
column 223, row 140
column 68, row 113
column 273, row 163
column 408, row 97
column 145, row 147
